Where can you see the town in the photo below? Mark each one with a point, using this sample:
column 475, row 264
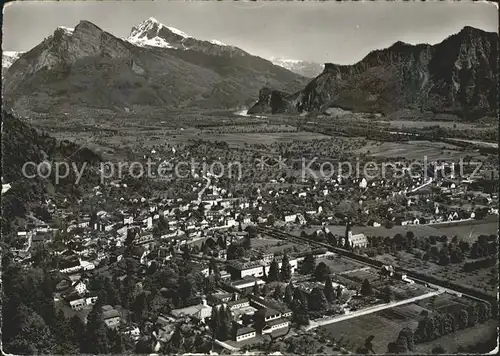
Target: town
column 283, row 178
column 231, row 264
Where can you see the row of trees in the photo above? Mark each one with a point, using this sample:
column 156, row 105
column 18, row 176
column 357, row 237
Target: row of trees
column 221, row 322
column 318, row 300
column 276, row 274
column 431, row 327
column 436, row 325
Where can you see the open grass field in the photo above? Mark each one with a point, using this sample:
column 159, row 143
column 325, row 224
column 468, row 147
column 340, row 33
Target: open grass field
column 339, row 265
column 469, row 232
column 356, row 330
column 264, row 242
column 415, row 150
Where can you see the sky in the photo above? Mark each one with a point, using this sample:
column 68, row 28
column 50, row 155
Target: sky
column 328, row 31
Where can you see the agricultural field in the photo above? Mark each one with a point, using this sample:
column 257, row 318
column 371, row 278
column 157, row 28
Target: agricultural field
column 481, row 279
column 339, row 265
column 470, row 232
column 355, row 331
column 415, row 150
column 445, row 124
column 386, row 325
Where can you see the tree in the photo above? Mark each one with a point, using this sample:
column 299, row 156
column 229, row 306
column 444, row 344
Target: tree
column 77, row 330
column 274, row 273
column 278, row 292
column 317, row 300
column 329, row 291
column 289, row 293
column 209, row 286
column 140, row 307
column 214, row 321
column 265, row 290
column 308, row 265
column 366, row 288
column 96, row 340
column 186, row 253
column 387, row 294
column 425, row 330
column 407, row 333
column 225, row 323
column 247, row 243
column 256, row 289
column 235, row 251
column 220, row 242
column 472, row 315
column 286, row 269
column 438, row 350
column 484, row 312
column 117, row 344
column 300, row 308
column 463, row 319
column 29, row 334
column 259, row 319
column 321, row 272
column 338, row 292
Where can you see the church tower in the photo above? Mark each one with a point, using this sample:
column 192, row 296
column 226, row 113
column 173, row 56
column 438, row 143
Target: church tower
column 348, row 232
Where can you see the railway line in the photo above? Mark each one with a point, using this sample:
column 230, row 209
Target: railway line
column 417, row 277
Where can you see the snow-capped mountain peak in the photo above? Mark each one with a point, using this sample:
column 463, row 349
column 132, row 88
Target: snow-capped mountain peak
column 178, row 32
column 9, row 57
column 304, row 68
column 66, row 29
column 218, row 43
column 152, row 33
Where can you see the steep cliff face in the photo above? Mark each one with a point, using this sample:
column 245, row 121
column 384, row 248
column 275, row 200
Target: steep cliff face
column 86, row 67
column 458, row 75
column 273, row 101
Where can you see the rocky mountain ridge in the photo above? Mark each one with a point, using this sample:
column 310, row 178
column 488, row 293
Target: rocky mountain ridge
column 457, row 76
column 87, row 67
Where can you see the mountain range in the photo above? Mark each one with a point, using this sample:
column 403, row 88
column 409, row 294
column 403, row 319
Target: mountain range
column 159, row 66
column 304, row 68
column 457, row 76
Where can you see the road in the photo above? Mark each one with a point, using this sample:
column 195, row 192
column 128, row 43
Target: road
column 377, row 264
column 315, row 324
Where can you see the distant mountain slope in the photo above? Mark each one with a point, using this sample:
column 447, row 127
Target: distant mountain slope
column 155, row 66
column 458, row 76
column 303, row 68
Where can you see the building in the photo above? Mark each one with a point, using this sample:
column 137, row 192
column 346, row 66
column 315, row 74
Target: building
column 200, row 312
column 245, row 333
column 248, row 282
column 274, row 325
column 110, row 316
column 257, row 269
column 77, row 302
column 80, row 287
column 355, row 240
column 238, row 304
